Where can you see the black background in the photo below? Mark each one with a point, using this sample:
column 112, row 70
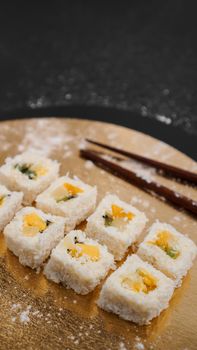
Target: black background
column 133, row 63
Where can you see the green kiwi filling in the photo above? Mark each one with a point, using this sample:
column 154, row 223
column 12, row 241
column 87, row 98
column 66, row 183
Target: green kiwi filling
column 26, row 170
column 108, row 219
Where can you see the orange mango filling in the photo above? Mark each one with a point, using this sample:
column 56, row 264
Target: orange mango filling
column 33, row 224
column 30, row 170
column 66, row 192
column 2, row 199
column 117, row 217
column 81, row 249
column 165, row 240
column 118, row 212
column 141, row 281
column 39, row 170
column 74, row 190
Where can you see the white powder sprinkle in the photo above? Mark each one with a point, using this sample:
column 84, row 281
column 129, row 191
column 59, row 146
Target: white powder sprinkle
column 35, row 312
column 38, row 270
column 112, row 136
column 163, row 119
column 82, row 144
column 71, row 337
column 68, row 96
column 122, row 346
column 145, row 172
column 176, row 218
column 136, row 200
column 89, row 164
column 39, row 136
column 145, row 204
column 24, row 316
column 67, row 154
column 166, row 92
column 139, row 346
column 144, row 111
column 16, row 306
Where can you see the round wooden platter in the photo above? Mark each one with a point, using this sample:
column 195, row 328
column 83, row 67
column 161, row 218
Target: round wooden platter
column 38, row 314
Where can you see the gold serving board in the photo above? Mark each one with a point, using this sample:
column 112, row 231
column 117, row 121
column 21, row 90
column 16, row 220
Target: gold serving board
column 39, row 314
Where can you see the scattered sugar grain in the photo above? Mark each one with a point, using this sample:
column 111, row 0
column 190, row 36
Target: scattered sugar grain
column 145, row 204
column 67, row 154
column 38, row 270
column 82, row 144
column 35, row 313
column 16, row 306
column 112, row 136
column 122, row 346
column 24, row 316
column 71, row 337
column 89, row 164
column 139, row 346
column 176, row 218
column 136, row 200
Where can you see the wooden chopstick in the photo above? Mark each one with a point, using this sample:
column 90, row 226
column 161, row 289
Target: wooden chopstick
column 168, row 169
column 149, row 186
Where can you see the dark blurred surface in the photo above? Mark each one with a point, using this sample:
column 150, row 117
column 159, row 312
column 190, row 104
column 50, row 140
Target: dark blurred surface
column 136, row 56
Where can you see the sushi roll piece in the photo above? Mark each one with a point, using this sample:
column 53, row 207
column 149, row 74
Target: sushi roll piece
column 79, row 262
column 29, row 173
column 10, row 203
column 136, row 291
column 32, row 234
column 168, row 250
column 115, row 224
column 70, row 198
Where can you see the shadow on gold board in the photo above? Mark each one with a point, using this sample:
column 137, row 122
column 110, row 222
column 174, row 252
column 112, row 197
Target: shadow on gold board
column 83, row 305
column 3, row 247
column 27, row 277
column 39, row 286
